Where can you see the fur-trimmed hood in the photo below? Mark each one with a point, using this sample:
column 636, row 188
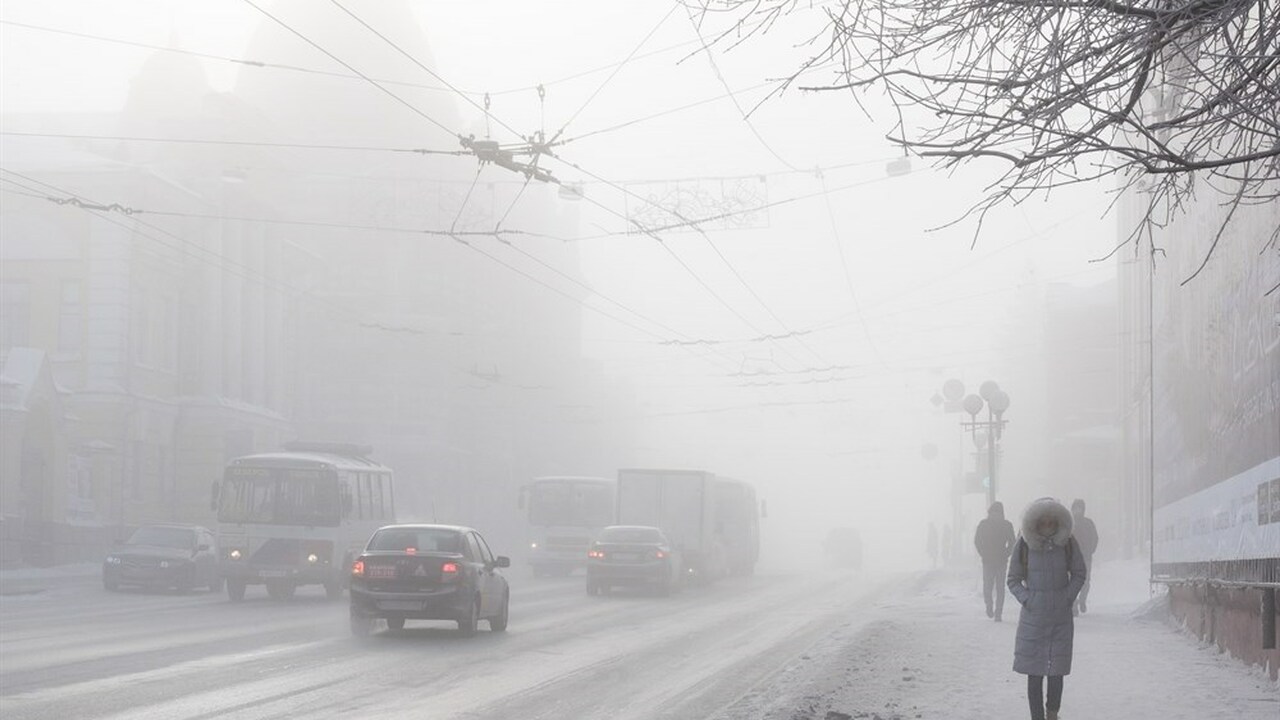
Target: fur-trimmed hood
column 1038, row 509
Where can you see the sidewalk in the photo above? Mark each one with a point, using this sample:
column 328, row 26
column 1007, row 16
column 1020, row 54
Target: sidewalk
column 931, row 652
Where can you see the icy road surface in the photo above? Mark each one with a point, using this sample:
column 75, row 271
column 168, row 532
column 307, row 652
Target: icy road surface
column 77, row 651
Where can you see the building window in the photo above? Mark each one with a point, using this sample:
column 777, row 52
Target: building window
column 15, row 314
column 71, row 318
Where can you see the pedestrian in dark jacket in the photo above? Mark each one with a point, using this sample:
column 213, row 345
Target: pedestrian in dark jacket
column 1086, row 535
column 994, row 540
column 1046, row 572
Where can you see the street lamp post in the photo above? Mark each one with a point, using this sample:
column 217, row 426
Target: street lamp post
column 997, row 402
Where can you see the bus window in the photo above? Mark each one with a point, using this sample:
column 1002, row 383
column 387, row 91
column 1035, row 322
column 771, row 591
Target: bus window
column 391, row 497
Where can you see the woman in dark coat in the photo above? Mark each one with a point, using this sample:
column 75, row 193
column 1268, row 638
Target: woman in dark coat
column 1046, row 572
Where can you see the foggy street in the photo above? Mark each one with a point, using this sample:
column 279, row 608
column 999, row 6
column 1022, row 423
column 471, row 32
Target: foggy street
column 644, row 360
column 76, row 651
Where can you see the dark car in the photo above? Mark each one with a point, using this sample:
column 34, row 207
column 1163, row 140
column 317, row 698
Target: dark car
column 632, row 555
column 428, row 572
column 164, row 556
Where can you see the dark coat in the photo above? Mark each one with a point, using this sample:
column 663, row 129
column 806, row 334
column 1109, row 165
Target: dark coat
column 1045, row 576
column 994, row 537
column 1085, row 533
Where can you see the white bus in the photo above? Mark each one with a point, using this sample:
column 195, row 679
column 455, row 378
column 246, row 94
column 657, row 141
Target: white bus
column 564, row 513
column 297, row 517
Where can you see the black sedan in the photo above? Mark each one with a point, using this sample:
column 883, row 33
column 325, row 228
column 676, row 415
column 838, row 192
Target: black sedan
column 632, row 555
column 168, row 556
column 428, row 572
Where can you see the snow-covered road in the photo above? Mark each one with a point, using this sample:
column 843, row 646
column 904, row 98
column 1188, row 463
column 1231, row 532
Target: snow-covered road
column 773, row 647
column 77, row 651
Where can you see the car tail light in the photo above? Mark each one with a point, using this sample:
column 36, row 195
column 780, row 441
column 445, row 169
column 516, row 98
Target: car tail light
column 411, row 551
column 449, row 569
column 596, row 554
column 660, row 554
column 357, row 568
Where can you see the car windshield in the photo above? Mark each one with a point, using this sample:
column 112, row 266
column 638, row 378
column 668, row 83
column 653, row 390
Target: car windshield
column 163, row 537
column 420, row 539
column 631, row 535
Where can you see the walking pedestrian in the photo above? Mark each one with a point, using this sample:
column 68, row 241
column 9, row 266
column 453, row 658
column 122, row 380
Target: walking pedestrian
column 1046, row 572
column 1086, row 534
column 994, row 540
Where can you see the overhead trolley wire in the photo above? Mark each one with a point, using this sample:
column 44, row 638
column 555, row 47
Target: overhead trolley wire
column 425, row 69
column 614, row 74
column 330, row 73
column 241, row 143
column 418, row 111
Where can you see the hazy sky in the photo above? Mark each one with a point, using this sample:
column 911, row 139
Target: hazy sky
column 923, row 305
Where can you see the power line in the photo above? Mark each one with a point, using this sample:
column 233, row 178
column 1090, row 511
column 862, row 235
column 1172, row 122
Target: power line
column 844, row 267
column 425, row 69
column 612, row 75
column 241, row 143
column 715, row 68
column 694, row 224
column 329, row 73
column 338, row 60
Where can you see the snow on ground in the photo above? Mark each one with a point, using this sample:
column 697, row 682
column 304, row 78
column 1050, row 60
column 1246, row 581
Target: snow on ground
column 931, row 652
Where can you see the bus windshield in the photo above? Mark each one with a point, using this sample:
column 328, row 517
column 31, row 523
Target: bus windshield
column 279, row 496
column 571, row 504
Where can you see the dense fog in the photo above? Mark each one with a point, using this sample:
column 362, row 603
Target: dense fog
column 496, row 241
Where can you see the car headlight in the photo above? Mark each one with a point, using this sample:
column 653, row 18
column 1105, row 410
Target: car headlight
column 234, row 554
column 313, row 558
column 164, row 564
column 533, row 546
column 113, row 560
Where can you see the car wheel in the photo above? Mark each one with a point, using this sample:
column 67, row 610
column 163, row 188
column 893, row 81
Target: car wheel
column 664, row 588
column 499, row 623
column 467, row 625
column 361, row 626
column 235, row 590
column 396, row 624
column 110, row 584
column 215, row 585
column 333, row 590
column 280, row 589
column 186, row 582
column 592, row 588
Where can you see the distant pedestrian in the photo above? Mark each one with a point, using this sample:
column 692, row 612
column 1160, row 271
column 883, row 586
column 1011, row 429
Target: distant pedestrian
column 1046, row 572
column 1086, row 534
column 994, row 540
column 931, row 545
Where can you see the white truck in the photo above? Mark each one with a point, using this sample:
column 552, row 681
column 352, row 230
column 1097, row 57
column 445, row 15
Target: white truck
column 714, row 522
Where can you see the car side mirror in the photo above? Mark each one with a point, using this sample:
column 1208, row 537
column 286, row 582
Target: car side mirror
column 502, row 561
column 764, row 508
column 202, row 547
column 214, row 492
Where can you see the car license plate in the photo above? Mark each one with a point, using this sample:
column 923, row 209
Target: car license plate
column 624, row 556
column 400, row 605
column 273, row 573
column 382, row 572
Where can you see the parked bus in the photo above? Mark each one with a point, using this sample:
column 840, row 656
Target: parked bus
column 564, row 513
column 297, row 517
